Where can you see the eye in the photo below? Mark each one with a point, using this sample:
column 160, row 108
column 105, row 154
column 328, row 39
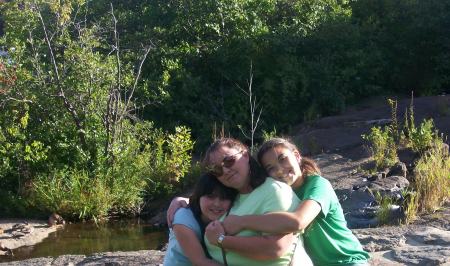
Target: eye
column 282, row 158
column 211, row 196
column 228, row 161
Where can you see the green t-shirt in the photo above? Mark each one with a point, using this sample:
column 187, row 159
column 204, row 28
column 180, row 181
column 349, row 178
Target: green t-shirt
column 269, row 197
column 328, row 241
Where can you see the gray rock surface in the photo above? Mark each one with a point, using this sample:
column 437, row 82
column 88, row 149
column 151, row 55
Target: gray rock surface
column 407, row 245
column 143, row 257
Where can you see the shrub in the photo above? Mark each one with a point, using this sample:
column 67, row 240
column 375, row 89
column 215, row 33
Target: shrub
column 420, row 139
column 149, row 164
column 382, row 146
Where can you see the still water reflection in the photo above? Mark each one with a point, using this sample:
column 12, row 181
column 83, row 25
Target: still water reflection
column 88, row 238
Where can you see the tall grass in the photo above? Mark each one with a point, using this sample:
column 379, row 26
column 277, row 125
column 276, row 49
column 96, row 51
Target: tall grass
column 384, row 212
column 74, row 194
column 150, row 164
column 432, row 178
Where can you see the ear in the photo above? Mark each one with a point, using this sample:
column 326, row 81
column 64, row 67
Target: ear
column 297, row 156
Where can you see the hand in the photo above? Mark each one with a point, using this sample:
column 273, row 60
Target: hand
column 178, row 202
column 232, row 224
column 213, row 231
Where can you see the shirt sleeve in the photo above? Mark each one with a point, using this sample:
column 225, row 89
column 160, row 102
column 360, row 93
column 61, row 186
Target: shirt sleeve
column 184, row 216
column 279, row 197
column 320, row 190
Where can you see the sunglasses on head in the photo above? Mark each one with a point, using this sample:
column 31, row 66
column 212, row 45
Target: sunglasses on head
column 227, row 161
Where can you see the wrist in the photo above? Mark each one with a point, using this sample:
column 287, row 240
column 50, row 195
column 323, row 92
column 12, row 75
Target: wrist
column 220, row 240
column 244, row 221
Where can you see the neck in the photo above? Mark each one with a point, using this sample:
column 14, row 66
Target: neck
column 299, row 182
column 246, row 189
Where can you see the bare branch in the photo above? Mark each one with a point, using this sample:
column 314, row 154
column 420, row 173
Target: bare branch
column 138, row 76
column 67, row 103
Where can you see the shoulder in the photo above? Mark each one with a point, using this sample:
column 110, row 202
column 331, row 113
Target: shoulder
column 277, row 196
column 318, row 181
column 183, row 215
column 272, row 184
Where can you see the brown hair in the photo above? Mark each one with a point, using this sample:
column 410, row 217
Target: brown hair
column 307, row 165
column 257, row 175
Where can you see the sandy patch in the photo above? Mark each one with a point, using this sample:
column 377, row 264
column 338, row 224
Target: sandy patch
column 40, row 232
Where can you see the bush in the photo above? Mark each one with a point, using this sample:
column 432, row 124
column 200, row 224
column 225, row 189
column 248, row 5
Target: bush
column 149, row 164
column 382, row 146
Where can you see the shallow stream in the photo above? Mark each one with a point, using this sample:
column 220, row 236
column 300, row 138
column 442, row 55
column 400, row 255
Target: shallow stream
column 89, row 238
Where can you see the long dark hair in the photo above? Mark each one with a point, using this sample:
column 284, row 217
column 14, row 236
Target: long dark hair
column 257, row 175
column 208, row 184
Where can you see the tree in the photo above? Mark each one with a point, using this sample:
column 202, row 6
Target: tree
column 80, row 87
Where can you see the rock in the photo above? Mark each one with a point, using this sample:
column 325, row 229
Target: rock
column 399, row 169
column 55, row 219
column 408, row 245
column 408, row 157
column 21, row 229
column 143, row 257
column 8, row 251
column 389, row 184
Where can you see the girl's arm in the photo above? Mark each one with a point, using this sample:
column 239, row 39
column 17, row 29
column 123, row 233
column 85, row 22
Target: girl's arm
column 275, row 222
column 175, row 204
column 255, row 247
column 191, row 246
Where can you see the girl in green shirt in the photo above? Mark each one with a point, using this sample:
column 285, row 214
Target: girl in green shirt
column 327, row 239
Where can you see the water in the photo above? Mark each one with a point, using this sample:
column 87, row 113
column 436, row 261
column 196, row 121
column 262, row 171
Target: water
column 88, row 238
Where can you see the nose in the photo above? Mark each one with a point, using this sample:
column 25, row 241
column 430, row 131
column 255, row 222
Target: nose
column 216, row 201
column 226, row 169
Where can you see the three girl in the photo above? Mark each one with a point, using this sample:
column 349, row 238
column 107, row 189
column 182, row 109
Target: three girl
column 230, row 162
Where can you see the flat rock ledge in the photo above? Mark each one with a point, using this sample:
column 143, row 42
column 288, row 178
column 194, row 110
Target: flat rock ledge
column 142, row 257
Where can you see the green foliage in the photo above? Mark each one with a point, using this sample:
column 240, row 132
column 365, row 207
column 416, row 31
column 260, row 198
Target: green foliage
column 383, row 147
column 267, row 135
column 310, row 58
column 140, row 171
column 384, row 212
column 421, row 138
column 169, row 162
column 70, row 139
column 410, row 205
column 430, row 186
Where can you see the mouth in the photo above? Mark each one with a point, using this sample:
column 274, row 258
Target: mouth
column 217, row 212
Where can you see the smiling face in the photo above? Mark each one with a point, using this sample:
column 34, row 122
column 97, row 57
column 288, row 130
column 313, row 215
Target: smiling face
column 213, row 206
column 283, row 164
column 236, row 175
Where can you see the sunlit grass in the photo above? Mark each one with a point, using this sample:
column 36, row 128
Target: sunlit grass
column 432, row 178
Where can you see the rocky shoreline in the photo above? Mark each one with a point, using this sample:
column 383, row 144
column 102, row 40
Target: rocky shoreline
column 425, row 242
